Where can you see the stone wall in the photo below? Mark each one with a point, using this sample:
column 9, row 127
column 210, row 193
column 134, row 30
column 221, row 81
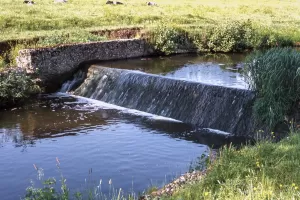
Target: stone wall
column 54, row 65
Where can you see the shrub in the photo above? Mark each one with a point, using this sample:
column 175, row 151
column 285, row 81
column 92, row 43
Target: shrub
column 266, row 37
column 227, row 37
column 275, row 76
column 15, row 86
column 236, row 36
column 169, row 39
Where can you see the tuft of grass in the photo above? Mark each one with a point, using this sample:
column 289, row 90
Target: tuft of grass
column 91, row 192
column 263, row 171
column 275, row 76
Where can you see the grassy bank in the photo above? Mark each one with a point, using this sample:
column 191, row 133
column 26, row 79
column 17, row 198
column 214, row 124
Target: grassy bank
column 217, row 26
column 264, row 171
column 18, row 20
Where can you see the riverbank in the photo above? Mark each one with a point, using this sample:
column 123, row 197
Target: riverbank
column 264, row 171
column 171, row 24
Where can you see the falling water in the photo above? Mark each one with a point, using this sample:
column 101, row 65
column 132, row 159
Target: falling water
column 204, row 105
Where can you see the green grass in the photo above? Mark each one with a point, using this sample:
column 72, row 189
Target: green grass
column 264, row 171
column 18, row 20
column 217, row 25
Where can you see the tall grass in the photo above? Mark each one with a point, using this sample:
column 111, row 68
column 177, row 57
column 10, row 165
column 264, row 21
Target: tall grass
column 275, row 76
column 264, row 171
column 92, row 191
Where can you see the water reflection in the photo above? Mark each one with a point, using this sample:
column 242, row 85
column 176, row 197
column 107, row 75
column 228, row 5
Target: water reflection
column 216, row 69
column 60, row 116
column 117, row 145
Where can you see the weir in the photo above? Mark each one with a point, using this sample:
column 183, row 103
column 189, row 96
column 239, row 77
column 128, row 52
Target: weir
column 202, row 105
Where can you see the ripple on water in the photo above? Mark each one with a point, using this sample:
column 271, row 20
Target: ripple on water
column 132, row 150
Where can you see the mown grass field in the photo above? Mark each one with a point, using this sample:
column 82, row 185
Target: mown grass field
column 46, row 18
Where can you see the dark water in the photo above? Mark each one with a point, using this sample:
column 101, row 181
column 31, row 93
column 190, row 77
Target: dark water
column 216, row 69
column 95, row 141
column 133, row 149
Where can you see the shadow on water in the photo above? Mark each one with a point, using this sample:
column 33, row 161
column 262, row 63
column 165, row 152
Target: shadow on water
column 60, row 116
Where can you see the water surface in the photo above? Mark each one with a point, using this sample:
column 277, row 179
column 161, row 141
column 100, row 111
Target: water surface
column 133, row 150
column 95, row 141
column 215, row 69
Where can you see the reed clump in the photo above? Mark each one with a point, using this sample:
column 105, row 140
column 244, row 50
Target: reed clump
column 275, row 76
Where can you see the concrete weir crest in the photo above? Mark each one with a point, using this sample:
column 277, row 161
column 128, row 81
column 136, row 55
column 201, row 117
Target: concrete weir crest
column 206, row 106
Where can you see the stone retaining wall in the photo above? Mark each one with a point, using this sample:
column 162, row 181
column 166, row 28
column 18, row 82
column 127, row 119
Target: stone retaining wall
column 54, row 65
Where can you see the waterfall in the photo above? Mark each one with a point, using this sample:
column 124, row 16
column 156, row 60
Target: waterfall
column 203, row 105
column 77, row 79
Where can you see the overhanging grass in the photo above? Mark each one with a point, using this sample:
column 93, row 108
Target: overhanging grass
column 264, row 171
column 18, row 20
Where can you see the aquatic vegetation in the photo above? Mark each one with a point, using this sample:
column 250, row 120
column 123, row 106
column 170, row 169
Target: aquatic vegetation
column 92, row 192
column 275, row 76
